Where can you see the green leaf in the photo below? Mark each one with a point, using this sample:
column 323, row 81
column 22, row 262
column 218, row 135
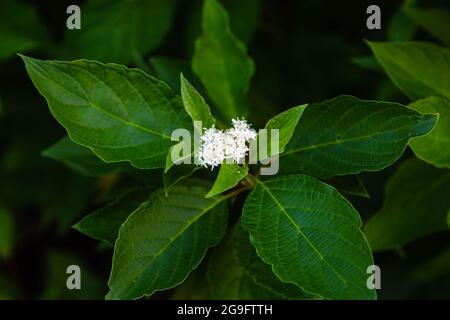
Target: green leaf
column 119, row 31
column 104, row 223
column 310, row 235
column 401, row 27
column 229, row 176
column 244, row 17
column 221, row 62
column 260, row 272
column 195, row 287
column 419, row 69
column 169, row 69
column 229, row 279
column 177, row 173
column 346, row 135
column 68, row 200
column 195, row 105
column 164, row 240
column 351, row 184
column 367, row 62
column 6, row 233
column 414, row 190
column 198, row 110
column 81, row 159
column 434, row 20
column 19, row 32
column 432, row 270
column 286, row 122
column 244, row 20
column 434, row 147
column 13, row 43
column 121, row 114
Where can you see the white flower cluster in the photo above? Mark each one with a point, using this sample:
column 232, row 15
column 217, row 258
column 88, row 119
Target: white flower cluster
column 219, row 146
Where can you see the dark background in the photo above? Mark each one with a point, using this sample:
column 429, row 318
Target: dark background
column 303, row 53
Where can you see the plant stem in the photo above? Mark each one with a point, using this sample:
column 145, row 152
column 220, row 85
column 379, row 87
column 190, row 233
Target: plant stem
column 251, row 179
column 238, row 191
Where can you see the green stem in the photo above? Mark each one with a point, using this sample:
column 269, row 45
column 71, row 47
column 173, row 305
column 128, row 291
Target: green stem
column 251, row 179
column 238, row 191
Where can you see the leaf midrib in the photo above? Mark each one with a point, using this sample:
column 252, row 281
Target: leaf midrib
column 132, row 124
column 94, row 106
column 334, row 142
column 301, row 232
column 172, row 240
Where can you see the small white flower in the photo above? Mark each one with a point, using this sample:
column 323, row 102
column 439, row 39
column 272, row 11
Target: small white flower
column 218, row 146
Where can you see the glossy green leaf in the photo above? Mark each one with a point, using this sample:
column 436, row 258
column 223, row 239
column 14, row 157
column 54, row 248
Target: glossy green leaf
column 346, row 135
column 434, row 148
column 416, row 204
column 221, row 62
column 310, row 235
column 434, row 20
column 195, row 105
column 229, row 176
column 104, row 224
column 286, row 123
column 7, row 233
column 198, row 110
column 121, row 114
column 419, row 69
column 164, row 240
column 260, row 272
column 81, row 159
column 119, row 31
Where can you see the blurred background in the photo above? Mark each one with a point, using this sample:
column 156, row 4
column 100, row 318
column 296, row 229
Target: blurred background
column 304, row 50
